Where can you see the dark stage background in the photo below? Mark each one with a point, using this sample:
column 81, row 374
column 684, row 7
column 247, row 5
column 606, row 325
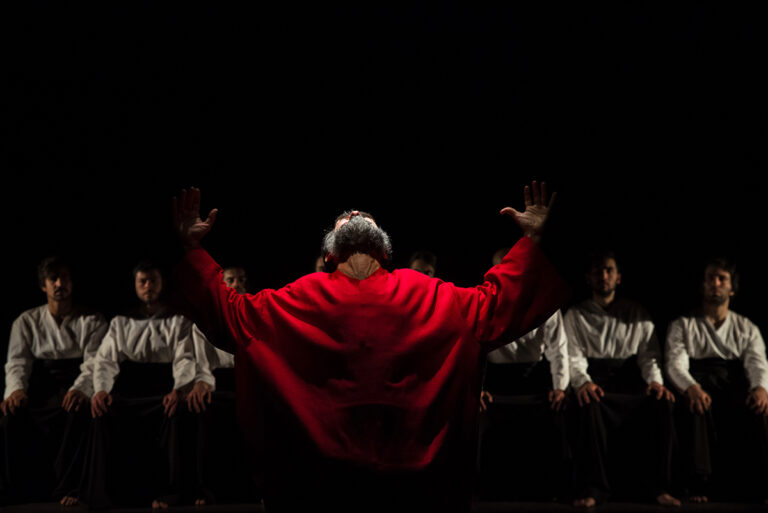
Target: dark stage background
column 649, row 121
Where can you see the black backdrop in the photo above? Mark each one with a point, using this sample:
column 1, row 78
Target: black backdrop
column 649, row 121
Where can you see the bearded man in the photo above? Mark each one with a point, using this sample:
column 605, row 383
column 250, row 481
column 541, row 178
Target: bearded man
column 48, row 384
column 625, row 412
column 716, row 360
column 370, row 378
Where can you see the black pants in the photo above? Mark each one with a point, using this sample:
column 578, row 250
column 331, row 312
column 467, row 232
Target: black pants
column 133, row 455
column 624, row 444
column 217, row 463
column 725, row 450
column 523, row 452
column 41, row 445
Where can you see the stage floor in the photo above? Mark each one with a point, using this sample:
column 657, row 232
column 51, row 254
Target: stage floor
column 479, row 507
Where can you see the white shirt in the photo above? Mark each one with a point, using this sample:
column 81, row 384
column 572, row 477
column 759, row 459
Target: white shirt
column 695, row 337
column 157, row 339
column 548, row 339
column 623, row 330
column 35, row 335
column 209, row 358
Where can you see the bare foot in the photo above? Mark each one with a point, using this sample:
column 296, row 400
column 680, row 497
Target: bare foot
column 199, row 502
column 666, row 499
column 586, row 502
column 156, row 504
column 699, row 498
column 69, row 501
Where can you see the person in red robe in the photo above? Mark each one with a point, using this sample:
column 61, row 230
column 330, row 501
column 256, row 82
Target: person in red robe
column 369, row 380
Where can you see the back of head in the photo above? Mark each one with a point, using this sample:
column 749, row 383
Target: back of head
column 358, row 234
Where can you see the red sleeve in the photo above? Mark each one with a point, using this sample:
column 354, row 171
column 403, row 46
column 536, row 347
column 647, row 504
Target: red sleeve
column 518, row 295
column 221, row 310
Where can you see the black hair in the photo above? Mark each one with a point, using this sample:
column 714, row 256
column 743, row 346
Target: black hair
column 147, row 265
column 597, row 258
column 50, row 266
column 427, row 257
column 726, row 265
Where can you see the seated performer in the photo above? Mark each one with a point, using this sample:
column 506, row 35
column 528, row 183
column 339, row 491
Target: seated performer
column 221, row 472
column 716, row 359
column 217, row 462
column 48, row 385
column 320, row 264
column 623, row 404
column 523, row 397
column 143, row 364
column 371, row 378
column 423, row 261
column 236, row 277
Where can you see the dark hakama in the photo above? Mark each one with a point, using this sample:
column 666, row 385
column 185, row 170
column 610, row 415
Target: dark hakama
column 133, row 451
column 523, row 451
column 724, row 450
column 42, row 445
column 623, row 444
column 218, row 464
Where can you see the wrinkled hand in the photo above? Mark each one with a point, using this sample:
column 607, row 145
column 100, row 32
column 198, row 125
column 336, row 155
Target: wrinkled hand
column 485, row 400
column 16, row 400
column 557, row 399
column 699, row 400
column 532, row 220
column 588, row 392
column 74, row 399
column 186, row 218
column 171, row 402
column 757, row 400
column 99, row 403
column 198, row 397
column 660, row 391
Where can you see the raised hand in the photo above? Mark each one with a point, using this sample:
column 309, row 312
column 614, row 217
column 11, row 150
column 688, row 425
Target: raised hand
column 532, row 220
column 186, row 218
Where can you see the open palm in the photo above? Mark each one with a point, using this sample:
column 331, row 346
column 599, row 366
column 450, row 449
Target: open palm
column 186, row 218
column 532, row 220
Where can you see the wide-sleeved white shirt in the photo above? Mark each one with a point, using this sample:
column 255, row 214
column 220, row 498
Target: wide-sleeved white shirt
column 208, row 358
column 163, row 338
column 35, row 335
column 623, row 330
column 695, row 337
column 547, row 340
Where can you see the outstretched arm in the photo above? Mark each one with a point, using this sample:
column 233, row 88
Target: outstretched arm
column 533, row 218
column 186, row 218
column 524, row 290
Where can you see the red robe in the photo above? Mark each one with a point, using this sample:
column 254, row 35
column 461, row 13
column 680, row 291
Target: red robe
column 380, row 375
